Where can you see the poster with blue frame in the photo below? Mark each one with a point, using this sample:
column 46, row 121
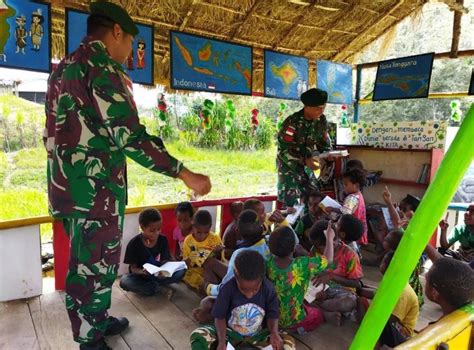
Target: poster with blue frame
column 336, row 80
column 204, row 64
column 285, row 76
column 25, row 35
column 403, row 78
column 471, row 85
column 140, row 63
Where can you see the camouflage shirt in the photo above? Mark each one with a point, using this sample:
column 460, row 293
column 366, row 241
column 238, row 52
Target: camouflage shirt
column 91, row 126
column 299, row 139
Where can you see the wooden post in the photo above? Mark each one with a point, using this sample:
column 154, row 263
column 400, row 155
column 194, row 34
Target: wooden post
column 456, row 31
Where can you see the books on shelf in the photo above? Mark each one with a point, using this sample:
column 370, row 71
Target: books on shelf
column 424, row 173
column 165, row 270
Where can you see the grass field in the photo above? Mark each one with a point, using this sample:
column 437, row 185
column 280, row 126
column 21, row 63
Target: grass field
column 23, row 175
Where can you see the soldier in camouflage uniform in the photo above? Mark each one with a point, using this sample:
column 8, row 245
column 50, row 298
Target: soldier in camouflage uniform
column 302, row 136
column 92, row 125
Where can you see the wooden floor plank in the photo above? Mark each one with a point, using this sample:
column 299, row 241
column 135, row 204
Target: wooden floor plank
column 51, row 322
column 174, row 325
column 184, row 298
column 16, row 326
column 141, row 334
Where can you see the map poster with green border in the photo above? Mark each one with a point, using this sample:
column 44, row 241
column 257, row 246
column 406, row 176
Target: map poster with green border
column 336, row 80
column 285, row 76
column 404, row 135
column 203, row 64
column 403, row 78
column 471, row 85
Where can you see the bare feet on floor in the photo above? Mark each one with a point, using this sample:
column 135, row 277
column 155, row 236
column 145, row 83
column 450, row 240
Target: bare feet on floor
column 202, row 316
column 333, row 317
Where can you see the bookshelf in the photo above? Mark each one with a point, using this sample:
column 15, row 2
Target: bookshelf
column 401, row 170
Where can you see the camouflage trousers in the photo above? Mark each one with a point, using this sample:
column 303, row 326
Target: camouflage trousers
column 294, row 180
column 205, row 337
column 93, row 264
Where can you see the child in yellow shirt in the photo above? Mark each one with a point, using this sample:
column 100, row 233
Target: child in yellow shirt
column 198, row 247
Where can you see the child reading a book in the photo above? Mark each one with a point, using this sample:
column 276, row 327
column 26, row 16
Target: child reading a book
column 314, row 214
column 198, row 247
column 340, row 298
column 291, row 277
column 251, row 231
column 463, row 233
column 266, row 219
column 184, row 216
column 147, row 247
column 245, row 312
column 231, row 234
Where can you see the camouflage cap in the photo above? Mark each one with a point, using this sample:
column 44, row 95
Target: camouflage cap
column 116, row 14
column 314, row 97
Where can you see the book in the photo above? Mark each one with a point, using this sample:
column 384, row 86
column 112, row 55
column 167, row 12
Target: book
column 165, row 270
column 313, row 291
column 328, row 202
column 425, row 173
column 387, row 218
column 291, row 218
column 337, row 153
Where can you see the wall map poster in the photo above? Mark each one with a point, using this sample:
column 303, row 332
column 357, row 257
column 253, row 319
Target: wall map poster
column 406, row 135
column 140, row 63
column 286, row 76
column 403, row 78
column 25, row 37
column 203, row 64
column 336, row 79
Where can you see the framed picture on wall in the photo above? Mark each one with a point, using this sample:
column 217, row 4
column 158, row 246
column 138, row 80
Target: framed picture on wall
column 203, row 64
column 25, row 35
column 139, row 65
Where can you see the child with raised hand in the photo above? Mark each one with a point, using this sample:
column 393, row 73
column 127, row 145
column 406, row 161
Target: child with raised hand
column 340, row 298
column 184, row 216
column 198, row 247
column 243, row 304
column 151, row 247
column 291, row 277
column 402, row 215
column 463, row 233
column 231, row 234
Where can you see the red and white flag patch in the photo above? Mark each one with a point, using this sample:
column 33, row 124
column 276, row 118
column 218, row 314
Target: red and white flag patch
column 289, row 134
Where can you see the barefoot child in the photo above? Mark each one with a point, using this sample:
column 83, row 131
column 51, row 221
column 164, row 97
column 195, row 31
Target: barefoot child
column 340, row 298
column 147, row 247
column 184, row 216
column 291, row 277
column 231, row 234
column 197, row 248
column 243, row 304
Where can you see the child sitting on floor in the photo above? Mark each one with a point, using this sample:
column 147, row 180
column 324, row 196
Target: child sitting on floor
column 198, row 247
column 147, row 247
column 401, row 324
column 243, row 304
column 231, row 234
column 340, row 298
column 251, row 230
column 184, row 216
column 291, row 277
column 266, row 219
column 314, row 214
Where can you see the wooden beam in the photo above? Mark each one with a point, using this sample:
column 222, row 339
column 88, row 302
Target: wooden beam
column 433, row 96
column 393, row 9
column 456, row 30
column 223, row 8
column 249, row 14
column 188, row 14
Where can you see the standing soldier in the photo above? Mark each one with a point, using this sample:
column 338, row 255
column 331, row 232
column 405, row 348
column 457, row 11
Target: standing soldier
column 92, row 125
column 301, row 138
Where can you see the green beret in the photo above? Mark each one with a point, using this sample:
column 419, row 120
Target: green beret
column 116, row 14
column 314, row 97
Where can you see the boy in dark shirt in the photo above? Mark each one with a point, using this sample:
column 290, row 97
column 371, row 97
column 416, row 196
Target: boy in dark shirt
column 147, row 247
column 242, row 306
column 314, row 214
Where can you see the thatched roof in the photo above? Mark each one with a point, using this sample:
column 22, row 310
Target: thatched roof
column 318, row 29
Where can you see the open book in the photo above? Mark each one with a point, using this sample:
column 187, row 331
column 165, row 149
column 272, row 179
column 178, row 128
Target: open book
column 291, row 218
column 336, row 153
column 167, row 269
column 313, row 291
column 328, row 202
